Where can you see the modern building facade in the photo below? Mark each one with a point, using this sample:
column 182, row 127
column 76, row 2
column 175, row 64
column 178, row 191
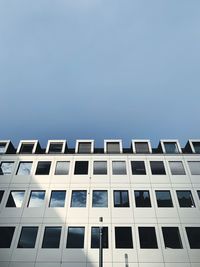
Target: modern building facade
column 52, row 199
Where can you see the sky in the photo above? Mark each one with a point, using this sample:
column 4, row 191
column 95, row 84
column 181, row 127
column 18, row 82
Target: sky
column 91, row 69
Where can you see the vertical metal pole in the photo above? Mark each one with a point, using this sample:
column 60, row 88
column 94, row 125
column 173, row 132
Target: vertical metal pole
column 101, row 243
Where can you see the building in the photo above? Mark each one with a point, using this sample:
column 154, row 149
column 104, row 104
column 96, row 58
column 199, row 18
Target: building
column 51, row 202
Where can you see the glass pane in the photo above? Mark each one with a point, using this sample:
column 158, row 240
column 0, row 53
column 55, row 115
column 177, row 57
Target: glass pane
column 100, row 198
column 185, row 199
column 164, row 199
column 124, row 199
column 196, row 146
column 6, row 234
column 119, row 167
column 141, row 147
column 26, row 148
column 24, row 168
column 6, row 168
column 62, row 168
column 78, row 199
column 28, row 237
column 15, row 199
column 172, row 237
column 147, row 236
column 194, row 167
column 142, row 198
column 75, row 237
column 123, row 237
column 193, row 234
column 36, row 199
column 171, row 148
column 121, row 198
column 100, row 167
column 55, row 148
column 84, row 147
column 138, row 167
column 51, row 237
column 1, row 195
column 2, row 148
column 113, row 147
column 57, row 199
column 81, row 167
column 95, row 237
column 198, row 192
column 43, row 168
column 176, row 168
column 157, row 168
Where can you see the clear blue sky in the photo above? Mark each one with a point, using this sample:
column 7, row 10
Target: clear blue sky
column 99, row 69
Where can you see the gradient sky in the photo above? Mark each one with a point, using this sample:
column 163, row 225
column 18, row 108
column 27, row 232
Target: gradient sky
column 76, row 69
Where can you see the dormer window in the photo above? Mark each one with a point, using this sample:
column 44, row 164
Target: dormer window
column 3, row 146
column 27, row 147
column 56, row 146
column 112, row 147
column 196, row 146
column 171, row 147
column 84, row 147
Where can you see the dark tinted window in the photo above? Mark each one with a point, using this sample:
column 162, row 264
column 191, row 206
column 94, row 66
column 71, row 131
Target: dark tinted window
column 6, row 167
column 78, row 199
column 163, row 198
column 123, row 237
column 1, row 195
column 43, row 168
column 55, row 148
column 171, row 148
column 24, row 168
column 27, row 237
column 100, row 167
column 62, row 168
column 142, row 198
column 141, row 147
column 6, row 234
column 81, row 167
column 193, row 235
column 196, row 146
column 121, row 198
column 171, row 237
column 26, row 148
column 113, row 147
column 36, row 199
column 84, row 147
column 100, row 198
column 157, row 167
column 119, row 167
column 95, row 237
column 138, row 167
column 51, row 238
column 57, row 199
column 15, row 199
column 185, row 199
column 75, row 237
column 147, row 236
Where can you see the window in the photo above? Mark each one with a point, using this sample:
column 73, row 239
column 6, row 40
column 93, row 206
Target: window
column 147, row 236
column 123, row 237
column 57, row 199
column 55, row 148
column 62, row 168
column 27, row 237
column 121, row 198
column 84, row 147
column 100, row 167
column 171, row 147
column 6, row 234
column 171, row 237
column 51, row 238
column 185, row 199
column 142, row 199
column 78, row 199
column 95, row 234
column 81, row 167
column 176, row 168
column 100, row 198
column 196, row 146
column 157, row 168
column 24, row 168
column 6, row 167
column 118, row 167
column 1, row 195
column 36, row 199
column 3, row 148
column 141, row 147
column 26, row 148
column 198, row 192
column 138, row 168
column 164, row 199
column 194, row 167
column 193, row 235
column 15, row 199
column 43, row 168
column 113, row 147
column 75, row 237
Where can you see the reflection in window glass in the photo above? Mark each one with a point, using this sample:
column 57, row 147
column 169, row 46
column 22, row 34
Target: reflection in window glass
column 118, row 167
column 15, row 199
column 147, row 236
column 84, row 147
column 142, row 147
column 81, row 167
column 164, row 199
column 78, row 199
column 100, row 198
column 51, row 238
column 171, row 148
column 62, row 168
column 121, row 198
column 2, row 148
column 6, row 167
column 138, row 168
column 27, row 237
column 1, row 195
column 100, row 167
column 142, row 198
column 194, row 167
column 113, row 147
column 123, row 237
column 57, row 199
column 176, row 168
column 171, row 237
column 95, row 237
column 193, row 235
column 6, row 234
column 185, row 199
column 36, row 199
column 24, row 168
column 43, row 168
column 75, row 237
column 157, row 167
